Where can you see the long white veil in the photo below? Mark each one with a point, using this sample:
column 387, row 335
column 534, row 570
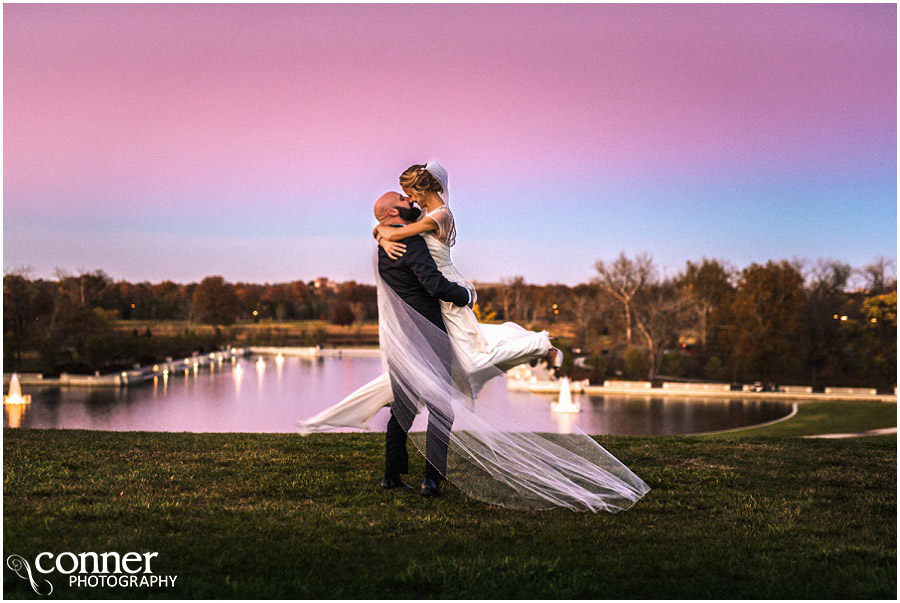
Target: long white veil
column 489, row 457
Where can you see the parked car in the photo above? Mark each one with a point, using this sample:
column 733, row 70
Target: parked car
column 759, row 386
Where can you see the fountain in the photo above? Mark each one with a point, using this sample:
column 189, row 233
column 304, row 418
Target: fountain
column 14, row 402
column 564, row 403
column 15, row 392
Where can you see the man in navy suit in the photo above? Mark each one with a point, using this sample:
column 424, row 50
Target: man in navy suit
column 417, row 281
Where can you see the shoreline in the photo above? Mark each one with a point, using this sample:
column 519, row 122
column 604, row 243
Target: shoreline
column 175, row 367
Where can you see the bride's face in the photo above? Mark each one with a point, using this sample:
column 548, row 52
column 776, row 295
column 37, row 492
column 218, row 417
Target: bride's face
column 412, row 195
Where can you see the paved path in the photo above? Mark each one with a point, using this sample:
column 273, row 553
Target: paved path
column 871, row 432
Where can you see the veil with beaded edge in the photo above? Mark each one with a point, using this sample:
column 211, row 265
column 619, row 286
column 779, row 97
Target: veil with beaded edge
column 490, row 457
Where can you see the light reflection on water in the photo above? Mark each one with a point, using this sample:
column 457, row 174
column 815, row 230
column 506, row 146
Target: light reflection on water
column 270, row 396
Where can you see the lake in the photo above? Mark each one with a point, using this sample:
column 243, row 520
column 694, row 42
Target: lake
column 246, row 397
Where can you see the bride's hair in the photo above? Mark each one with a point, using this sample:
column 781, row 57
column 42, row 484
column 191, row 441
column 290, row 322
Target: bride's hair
column 417, row 178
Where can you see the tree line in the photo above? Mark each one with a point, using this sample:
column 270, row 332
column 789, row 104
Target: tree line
column 816, row 323
column 67, row 324
column 786, row 322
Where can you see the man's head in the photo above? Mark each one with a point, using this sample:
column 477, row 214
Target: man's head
column 394, row 208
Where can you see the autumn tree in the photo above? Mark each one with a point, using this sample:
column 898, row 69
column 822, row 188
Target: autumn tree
column 167, row 301
column 825, row 290
column 249, row 296
column 360, row 299
column 879, row 339
column 215, row 302
column 279, row 302
column 768, row 314
column 18, row 314
column 708, row 284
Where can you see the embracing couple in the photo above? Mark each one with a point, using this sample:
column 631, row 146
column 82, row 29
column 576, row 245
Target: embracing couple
column 437, row 357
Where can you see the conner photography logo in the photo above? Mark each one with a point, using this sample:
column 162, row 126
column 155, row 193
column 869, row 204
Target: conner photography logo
column 90, row 570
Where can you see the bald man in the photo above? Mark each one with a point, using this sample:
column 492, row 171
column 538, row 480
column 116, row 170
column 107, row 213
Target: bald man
column 417, row 281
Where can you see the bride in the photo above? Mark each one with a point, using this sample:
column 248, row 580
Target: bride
column 481, row 349
column 489, row 456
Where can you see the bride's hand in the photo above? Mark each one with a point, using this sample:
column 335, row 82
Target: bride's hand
column 384, row 232
column 392, row 248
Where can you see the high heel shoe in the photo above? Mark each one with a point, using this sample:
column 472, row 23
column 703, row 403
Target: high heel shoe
column 558, row 361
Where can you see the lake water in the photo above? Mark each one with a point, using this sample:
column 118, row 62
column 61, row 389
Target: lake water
column 243, row 397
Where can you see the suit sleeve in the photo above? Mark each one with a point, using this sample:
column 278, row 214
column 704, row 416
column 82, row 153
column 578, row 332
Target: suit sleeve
column 419, row 260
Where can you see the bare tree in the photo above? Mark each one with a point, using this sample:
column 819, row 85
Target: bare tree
column 506, row 293
column 586, row 308
column 623, row 279
column 523, row 303
column 581, row 310
column 662, row 310
column 877, row 275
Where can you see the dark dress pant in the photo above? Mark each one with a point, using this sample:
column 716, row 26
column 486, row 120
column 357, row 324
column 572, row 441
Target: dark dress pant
column 403, row 411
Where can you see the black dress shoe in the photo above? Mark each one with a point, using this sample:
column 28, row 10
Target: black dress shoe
column 389, row 483
column 430, row 487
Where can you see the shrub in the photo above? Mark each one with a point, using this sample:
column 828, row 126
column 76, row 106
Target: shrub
column 636, row 366
column 342, row 315
column 714, row 369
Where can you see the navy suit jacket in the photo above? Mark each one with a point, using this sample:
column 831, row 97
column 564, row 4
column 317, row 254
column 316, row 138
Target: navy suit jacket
column 416, row 279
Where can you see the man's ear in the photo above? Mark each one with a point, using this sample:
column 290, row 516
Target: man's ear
column 392, row 212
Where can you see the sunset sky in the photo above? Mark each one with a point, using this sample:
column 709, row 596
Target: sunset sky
column 249, row 141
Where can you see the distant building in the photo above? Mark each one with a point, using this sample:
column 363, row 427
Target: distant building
column 323, row 282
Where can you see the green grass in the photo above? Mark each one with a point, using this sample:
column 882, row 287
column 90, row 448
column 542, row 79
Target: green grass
column 277, row 515
column 814, row 418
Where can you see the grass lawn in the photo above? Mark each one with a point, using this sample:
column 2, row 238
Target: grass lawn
column 277, row 515
column 814, row 418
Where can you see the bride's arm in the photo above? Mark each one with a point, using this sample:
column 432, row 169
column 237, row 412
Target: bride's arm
column 394, row 249
column 389, row 233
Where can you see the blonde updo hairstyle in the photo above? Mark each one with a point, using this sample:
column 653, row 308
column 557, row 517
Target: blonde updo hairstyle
column 416, row 179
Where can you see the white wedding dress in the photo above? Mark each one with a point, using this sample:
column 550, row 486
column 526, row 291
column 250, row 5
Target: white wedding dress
column 490, row 457
column 481, row 349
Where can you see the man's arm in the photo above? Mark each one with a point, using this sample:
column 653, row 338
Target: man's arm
column 419, row 260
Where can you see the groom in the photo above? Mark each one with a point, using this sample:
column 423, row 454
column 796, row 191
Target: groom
column 415, row 278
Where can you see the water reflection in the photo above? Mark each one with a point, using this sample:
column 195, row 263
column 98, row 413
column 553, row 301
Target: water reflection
column 564, row 421
column 14, row 414
column 238, row 377
column 216, row 400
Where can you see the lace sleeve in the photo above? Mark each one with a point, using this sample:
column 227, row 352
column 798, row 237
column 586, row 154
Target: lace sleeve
column 446, row 225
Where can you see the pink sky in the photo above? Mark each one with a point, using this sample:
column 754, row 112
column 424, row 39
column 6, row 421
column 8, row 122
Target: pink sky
column 256, row 124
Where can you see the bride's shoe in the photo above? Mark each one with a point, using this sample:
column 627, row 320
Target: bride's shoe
column 558, row 359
